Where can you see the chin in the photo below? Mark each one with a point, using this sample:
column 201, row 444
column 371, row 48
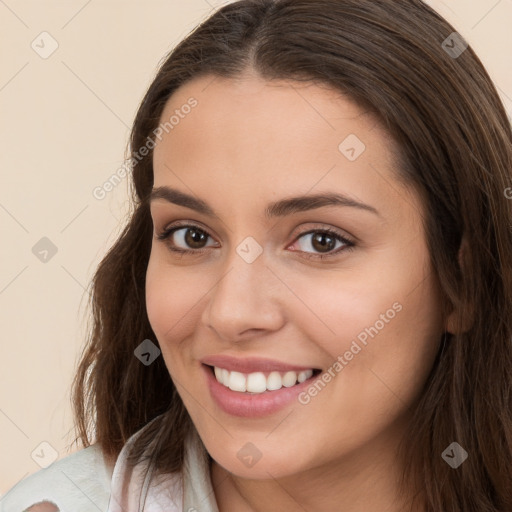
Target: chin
column 257, row 462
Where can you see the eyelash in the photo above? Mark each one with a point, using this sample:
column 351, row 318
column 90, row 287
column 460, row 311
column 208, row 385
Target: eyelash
column 349, row 244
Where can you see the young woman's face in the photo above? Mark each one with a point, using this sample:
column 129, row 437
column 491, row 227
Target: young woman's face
column 367, row 315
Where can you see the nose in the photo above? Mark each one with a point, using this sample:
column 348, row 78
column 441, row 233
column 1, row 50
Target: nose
column 246, row 301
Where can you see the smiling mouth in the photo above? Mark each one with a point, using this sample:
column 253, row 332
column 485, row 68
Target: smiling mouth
column 261, row 382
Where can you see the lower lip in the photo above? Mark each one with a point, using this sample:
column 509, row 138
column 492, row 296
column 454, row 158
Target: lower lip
column 252, row 406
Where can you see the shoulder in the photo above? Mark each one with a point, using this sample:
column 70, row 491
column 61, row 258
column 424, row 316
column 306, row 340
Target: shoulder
column 80, row 481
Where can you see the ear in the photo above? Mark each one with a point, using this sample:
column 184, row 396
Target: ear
column 454, row 324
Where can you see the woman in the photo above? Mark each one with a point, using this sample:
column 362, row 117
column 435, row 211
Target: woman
column 310, row 306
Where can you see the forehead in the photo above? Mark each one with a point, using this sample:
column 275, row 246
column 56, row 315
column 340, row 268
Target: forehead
column 269, row 138
column 301, row 109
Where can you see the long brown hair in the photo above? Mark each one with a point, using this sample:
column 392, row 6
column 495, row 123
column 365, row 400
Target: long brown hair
column 395, row 57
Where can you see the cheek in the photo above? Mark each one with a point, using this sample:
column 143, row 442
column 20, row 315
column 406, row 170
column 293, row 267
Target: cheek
column 173, row 296
column 388, row 344
column 380, row 356
column 385, row 324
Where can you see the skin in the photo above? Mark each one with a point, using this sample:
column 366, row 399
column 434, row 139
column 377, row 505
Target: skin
column 44, row 506
column 249, row 142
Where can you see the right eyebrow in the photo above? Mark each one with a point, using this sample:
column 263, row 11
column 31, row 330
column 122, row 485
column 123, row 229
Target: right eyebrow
column 279, row 208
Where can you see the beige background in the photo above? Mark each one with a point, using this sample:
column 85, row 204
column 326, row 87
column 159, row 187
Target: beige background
column 64, row 127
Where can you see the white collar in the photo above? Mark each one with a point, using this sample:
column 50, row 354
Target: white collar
column 188, row 491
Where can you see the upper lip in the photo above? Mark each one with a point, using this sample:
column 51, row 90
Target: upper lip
column 251, row 364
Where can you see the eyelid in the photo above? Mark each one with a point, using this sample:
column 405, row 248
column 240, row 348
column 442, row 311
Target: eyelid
column 316, row 226
column 175, row 226
column 348, row 242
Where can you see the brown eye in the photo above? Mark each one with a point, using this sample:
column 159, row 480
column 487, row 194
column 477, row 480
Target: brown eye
column 191, row 239
column 323, row 242
column 187, row 238
column 194, row 238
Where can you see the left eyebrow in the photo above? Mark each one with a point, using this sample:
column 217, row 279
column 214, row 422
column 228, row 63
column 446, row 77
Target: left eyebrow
column 280, row 208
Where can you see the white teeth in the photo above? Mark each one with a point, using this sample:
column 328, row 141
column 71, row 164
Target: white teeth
column 302, row 376
column 237, row 381
column 257, row 382
column 274, row 381
column 289, row 379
